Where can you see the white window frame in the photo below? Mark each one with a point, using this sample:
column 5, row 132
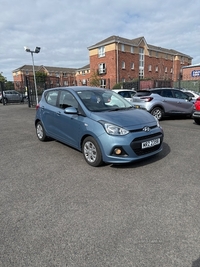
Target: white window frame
column 132, row 66
column 102, row 68
column 101, row 51
column 132, row 49
column 103, row 83
column 123, row 65
column 150, row 68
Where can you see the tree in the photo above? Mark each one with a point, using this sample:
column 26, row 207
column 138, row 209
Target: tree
column 94, row 79
column 2, row 78
column 40, row 77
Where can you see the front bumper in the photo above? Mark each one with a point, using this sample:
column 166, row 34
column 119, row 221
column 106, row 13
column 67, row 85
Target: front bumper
column 196, row 114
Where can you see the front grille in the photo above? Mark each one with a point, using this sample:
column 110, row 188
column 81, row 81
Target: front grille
column 136, row 144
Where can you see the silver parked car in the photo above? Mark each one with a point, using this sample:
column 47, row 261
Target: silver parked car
column 162, row 102
column 11, row 96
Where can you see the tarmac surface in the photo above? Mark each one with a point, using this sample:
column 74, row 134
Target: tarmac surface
column 57, row 211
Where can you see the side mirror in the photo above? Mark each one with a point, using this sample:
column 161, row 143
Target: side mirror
column 70, row 110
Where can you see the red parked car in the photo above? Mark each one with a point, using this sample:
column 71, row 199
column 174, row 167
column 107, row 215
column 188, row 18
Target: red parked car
column 196, row 114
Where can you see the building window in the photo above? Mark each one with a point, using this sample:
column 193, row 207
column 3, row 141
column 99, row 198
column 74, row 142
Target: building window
column 132, row 66
column 103, row 83
column 157, row 54
column 102, row 68
column 156, row 69
column 141, row 73
column 165, row 69
column 83, row 72
column 171, row 70
column 149, row 68
column 64, row 74
column 166, row 56
column 84, row 81
column 182, row 60
column 150, row 53
column 66, row 83
column 141, row 62
column 102, row 51
column 123, row 65
column 132, row 49
column 122, row 47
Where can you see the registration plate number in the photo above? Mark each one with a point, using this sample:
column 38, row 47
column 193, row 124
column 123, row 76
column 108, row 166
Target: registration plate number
column 151, row 143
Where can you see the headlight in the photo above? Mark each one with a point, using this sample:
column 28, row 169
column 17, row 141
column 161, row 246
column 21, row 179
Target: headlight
column 114, row 129
column 157, row 121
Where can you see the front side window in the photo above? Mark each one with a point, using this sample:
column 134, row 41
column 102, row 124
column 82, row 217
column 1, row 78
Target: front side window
column 122, row 47
column 123, row 64
column 67, row 100
column 101, row 51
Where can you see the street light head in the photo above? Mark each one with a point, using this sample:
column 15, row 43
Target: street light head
column 27, row 49
column 37, row 49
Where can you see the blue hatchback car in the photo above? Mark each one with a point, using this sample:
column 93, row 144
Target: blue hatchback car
column 98, row 122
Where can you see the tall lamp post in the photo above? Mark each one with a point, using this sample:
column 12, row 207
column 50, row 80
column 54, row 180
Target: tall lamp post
column 37, row 50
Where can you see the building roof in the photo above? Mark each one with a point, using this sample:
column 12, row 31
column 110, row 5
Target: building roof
column 48, row 68
column 136, row 42
column 191, row 66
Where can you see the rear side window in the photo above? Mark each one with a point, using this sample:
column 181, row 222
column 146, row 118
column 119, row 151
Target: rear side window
column 143, row 93
column 51, row 97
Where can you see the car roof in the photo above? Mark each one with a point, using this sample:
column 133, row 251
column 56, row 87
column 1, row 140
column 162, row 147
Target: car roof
column 76, row 88
column 121, row 90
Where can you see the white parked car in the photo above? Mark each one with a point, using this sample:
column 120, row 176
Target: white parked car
column 125, row 93
column 192, row 94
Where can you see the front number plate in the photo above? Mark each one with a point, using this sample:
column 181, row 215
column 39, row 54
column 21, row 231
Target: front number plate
column 151, row 143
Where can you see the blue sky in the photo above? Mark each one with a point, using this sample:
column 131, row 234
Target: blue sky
column 64, row 28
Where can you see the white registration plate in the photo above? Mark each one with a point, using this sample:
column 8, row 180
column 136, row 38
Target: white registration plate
column 151, row 143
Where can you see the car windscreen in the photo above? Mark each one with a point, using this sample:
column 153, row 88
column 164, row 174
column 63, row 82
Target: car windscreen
column 102, row 100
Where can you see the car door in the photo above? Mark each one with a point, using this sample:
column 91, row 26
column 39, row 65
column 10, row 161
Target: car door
column 182, row 102
column 168, row 102
column 49, row 111
column 67, row 125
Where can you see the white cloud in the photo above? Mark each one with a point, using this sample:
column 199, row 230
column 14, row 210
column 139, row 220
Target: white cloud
column 64, row 29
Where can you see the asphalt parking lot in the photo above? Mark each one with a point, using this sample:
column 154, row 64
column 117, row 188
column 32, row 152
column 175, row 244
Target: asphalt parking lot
column 57, row 211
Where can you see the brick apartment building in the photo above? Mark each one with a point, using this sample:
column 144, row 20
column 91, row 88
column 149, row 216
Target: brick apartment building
column 56, row 76
column 116, row 60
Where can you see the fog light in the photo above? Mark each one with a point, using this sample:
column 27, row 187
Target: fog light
column 117, row 151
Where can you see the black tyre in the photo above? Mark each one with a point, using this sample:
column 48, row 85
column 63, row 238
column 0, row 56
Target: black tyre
column 92, row 152
column 157, row 112
column 5, row 101
column 197, row 121
column 40, row 132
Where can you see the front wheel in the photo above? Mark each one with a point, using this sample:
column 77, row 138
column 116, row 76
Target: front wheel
column 40, row 132
column 197, row 121
column 92, row 152
column 157, row 112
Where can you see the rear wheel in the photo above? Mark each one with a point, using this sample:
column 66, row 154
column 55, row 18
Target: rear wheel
column 157, row 112
column 92, row 152
column 40, row 132
column 197, row 121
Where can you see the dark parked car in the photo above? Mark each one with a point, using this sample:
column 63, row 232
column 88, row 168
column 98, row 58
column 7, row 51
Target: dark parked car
column 162, row 102
column 12, row 96
column 98, row 122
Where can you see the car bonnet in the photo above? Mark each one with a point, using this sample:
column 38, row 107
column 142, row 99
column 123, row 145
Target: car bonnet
column 131, row 119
